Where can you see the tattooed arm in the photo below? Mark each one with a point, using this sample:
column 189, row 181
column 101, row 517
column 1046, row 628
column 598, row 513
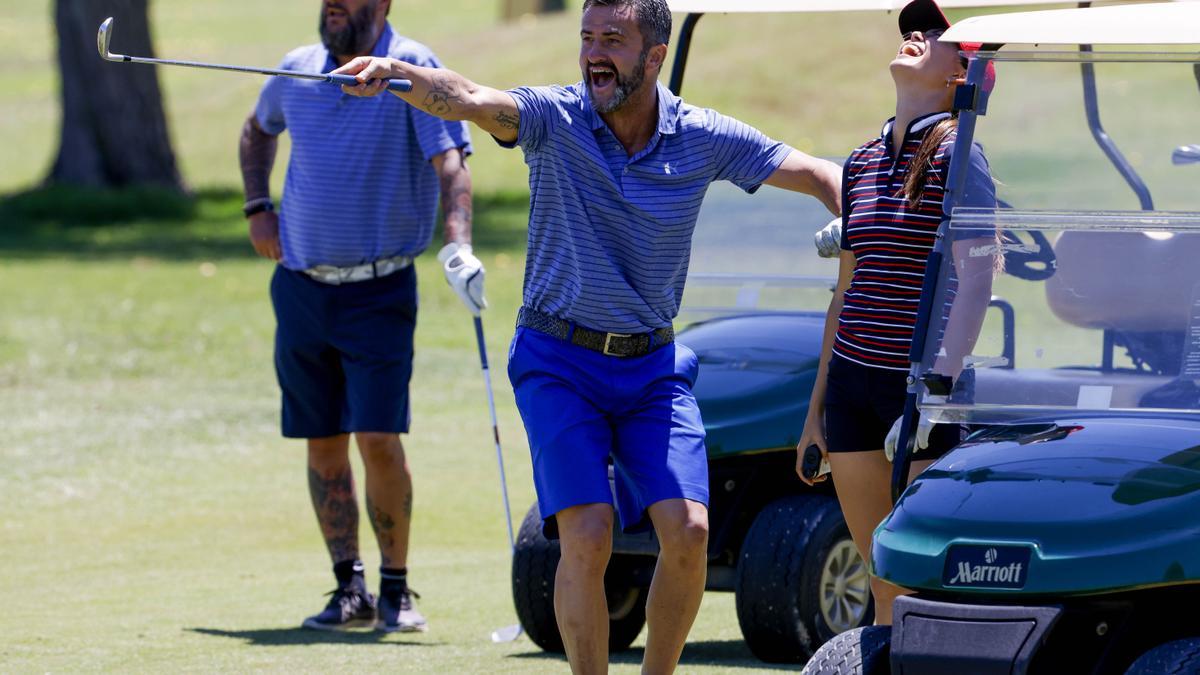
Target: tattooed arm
column 256, row 153
column 455, row 180
column 440, row 92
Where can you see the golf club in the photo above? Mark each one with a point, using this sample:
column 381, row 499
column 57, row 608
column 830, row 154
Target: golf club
column 104, row 37
column 1186, row 154
column 508, row 633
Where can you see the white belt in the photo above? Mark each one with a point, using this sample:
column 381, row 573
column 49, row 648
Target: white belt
column 329, row 274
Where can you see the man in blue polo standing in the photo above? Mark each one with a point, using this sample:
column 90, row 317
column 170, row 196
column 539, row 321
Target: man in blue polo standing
column 345, row 291
column 618, row 167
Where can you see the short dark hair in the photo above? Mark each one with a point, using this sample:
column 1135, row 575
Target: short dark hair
column 653, row 17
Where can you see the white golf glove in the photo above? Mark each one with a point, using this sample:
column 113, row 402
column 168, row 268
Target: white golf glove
column 829, row 239
column 924, row 426
column 465, row 275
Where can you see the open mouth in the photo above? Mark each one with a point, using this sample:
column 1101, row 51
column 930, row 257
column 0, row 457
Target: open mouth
column 601, row 76
column 913, row 49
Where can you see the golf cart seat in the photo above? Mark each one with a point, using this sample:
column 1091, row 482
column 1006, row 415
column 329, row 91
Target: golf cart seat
column 1089, row 289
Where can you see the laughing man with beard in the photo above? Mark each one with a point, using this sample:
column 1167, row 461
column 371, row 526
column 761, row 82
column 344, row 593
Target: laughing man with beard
column 345, row 291
column 618, row 167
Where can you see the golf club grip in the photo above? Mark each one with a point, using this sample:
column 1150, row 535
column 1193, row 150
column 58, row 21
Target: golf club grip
column 350, row 81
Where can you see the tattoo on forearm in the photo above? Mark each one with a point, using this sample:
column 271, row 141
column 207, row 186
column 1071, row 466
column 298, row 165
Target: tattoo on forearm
column 506, row 120
column 456, row 201
column 256, row 153
column 337, row 512
column 408, row 503
column 442, row 92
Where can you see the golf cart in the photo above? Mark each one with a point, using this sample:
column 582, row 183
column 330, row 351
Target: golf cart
column 754, row 313
column 1061, row 536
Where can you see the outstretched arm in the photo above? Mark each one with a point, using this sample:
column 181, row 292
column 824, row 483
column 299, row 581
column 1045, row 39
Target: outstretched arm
column 811, row 175
column 440, row 92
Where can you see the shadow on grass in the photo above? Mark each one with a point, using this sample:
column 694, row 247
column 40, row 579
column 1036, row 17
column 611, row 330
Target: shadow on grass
column 286, row 637
column 732, row 654
column 88, row 224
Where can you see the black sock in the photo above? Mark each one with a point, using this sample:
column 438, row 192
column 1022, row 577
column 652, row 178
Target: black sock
column 393, row 580
column 350, row 573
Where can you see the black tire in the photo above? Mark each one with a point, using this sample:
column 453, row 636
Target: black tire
column 777, row 587
column 535, row 562
column 862, row 651
column 1180, row 656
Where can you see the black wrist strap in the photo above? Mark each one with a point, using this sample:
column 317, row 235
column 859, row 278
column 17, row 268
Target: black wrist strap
column 257, row 206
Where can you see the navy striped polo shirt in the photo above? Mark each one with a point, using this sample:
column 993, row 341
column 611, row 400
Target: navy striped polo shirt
column 359, row 183
column 891, row 240
column 610, row 235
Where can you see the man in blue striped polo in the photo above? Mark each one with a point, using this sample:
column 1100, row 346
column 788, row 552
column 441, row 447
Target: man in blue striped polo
column 345, row 292
column 618, row 167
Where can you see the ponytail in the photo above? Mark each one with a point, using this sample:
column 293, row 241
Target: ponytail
column 922, row 159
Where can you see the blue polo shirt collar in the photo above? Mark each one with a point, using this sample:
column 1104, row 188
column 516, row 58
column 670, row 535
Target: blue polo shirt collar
column 668, row 110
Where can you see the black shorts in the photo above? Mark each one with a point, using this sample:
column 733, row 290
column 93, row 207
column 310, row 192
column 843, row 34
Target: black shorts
column 862, row 403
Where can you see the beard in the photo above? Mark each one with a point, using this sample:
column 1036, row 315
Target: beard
column 356, row 38
column 625, row 86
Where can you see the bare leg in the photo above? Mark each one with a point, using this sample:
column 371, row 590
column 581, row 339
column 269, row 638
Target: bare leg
column 585, row 536
column 678, row 586
column 863, row 481
column 389, row 494
column 331, row 486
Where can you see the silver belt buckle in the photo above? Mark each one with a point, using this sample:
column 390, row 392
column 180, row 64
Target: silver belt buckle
column 608, row 341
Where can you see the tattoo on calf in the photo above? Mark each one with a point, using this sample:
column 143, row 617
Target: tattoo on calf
column 506, row 120
column 441, row 93
column 337, row 512
column 383, row 524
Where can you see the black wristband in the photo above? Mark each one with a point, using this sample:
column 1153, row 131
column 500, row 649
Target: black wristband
column 257, row 206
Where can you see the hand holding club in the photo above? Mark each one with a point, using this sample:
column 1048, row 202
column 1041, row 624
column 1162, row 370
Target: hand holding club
column 465, row 274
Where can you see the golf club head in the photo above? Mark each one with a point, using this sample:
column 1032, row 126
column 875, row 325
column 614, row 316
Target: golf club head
column 1186, row 154
column 508, row 633
column 103, row 38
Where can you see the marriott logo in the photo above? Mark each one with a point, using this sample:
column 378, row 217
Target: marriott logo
column 983, row 574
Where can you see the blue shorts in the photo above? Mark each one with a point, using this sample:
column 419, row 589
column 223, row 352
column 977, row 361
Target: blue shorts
column 343, row 354
column 581, row 407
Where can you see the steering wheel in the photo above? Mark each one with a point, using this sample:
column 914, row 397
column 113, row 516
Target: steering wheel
column 1031, row 261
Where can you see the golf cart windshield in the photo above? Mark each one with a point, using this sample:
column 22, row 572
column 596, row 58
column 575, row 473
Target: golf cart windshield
column 755, row 254
column 1090, row 258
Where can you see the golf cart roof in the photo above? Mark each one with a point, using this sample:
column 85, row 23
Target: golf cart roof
column 1163, row 23
column 740, row 6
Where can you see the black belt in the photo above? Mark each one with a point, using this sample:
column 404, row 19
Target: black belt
column 612, row 344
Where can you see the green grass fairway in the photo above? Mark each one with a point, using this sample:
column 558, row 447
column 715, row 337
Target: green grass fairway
column 153, row 520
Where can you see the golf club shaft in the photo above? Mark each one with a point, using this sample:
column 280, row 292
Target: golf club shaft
column 398, row 85
column 487, row 379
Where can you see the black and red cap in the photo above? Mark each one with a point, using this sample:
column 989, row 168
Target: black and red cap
column 924, row 16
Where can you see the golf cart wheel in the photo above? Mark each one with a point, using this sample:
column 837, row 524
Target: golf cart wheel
column 1180, row 656
column 535, row 562
column 862, row 651
column 800, row 579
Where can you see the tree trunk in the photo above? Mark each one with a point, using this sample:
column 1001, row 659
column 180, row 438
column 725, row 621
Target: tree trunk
column 114, row 132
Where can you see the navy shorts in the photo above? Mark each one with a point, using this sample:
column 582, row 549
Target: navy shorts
column 862, row 403
column 344, row 353
column 582, row 407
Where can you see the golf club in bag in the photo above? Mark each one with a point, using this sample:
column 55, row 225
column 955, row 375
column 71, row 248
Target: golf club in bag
column 104, row 37
column 507, row 633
